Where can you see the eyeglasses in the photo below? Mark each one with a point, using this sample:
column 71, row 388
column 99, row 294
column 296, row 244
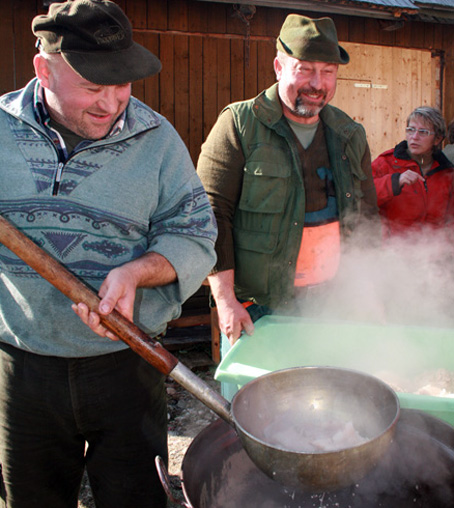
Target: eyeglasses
column 422, row 132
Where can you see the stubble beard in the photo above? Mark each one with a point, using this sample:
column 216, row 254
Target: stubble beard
column 304, row 110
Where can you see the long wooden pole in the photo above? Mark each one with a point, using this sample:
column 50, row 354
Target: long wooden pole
column 148, row 348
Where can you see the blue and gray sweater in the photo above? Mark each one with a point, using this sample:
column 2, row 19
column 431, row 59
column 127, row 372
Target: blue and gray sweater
column 118, row 198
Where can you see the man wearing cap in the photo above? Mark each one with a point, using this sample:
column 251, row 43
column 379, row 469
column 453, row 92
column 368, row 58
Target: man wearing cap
column 288, row 176
column 106, row 186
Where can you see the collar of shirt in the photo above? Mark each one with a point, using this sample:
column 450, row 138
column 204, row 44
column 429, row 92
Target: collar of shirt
column 43, row 118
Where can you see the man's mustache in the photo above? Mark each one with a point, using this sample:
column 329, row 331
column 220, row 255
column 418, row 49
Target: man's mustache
column 312, row 91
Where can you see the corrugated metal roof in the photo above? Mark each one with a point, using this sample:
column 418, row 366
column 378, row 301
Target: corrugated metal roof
column 449, row 4
column 434, row 11
column 397, row 4
column 414, row 5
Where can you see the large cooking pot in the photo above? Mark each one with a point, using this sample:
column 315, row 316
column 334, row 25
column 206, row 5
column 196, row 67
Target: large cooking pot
column 417, row 471
column 316, row 427
column 299, row 393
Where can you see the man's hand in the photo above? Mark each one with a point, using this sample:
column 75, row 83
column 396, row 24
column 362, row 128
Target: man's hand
column 233, row 317
column 118, row 291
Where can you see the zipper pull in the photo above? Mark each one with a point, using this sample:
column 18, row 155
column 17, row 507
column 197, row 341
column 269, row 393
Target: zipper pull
column 57, row 179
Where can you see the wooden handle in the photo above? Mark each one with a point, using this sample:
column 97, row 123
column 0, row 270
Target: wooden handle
column 51, row 270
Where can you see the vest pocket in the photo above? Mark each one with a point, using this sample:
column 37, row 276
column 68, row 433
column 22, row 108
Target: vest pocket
column 258, row 222
column 261, row 205
column 253, row 253
column 255, row 241
column 264, row 187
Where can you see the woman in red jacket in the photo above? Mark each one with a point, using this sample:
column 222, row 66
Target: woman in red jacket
column 415, row 181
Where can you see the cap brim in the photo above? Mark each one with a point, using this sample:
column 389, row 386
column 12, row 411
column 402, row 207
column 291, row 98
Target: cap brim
column 114, row 67
column 345, row 57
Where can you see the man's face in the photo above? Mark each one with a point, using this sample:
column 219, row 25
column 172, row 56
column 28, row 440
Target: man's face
column 304, row 87
column 85, row 108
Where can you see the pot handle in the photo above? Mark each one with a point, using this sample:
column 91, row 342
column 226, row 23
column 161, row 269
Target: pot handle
column 165, row 481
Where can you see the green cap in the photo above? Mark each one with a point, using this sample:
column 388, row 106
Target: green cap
column 95, row 39
column 314, row 40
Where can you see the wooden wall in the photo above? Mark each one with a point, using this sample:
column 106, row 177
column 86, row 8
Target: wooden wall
column 210, row 56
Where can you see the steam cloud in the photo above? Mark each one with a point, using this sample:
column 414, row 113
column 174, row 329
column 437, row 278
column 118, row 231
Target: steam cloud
column 405, row 281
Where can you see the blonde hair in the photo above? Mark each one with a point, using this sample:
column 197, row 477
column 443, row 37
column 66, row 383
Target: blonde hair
column 432, row 116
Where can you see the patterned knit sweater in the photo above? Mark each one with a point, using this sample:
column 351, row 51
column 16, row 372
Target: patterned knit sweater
column 118, row 198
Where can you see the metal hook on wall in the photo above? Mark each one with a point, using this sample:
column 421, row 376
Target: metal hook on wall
column 245, row 12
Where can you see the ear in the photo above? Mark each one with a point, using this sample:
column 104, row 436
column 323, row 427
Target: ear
column 437, row 142
column 278, row 68
column 42, row 70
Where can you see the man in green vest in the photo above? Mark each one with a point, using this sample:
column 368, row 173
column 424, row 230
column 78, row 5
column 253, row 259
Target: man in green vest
column 288, row 177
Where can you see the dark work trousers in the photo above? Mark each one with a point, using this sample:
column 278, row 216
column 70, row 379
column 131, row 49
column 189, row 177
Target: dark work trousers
column 50, row 407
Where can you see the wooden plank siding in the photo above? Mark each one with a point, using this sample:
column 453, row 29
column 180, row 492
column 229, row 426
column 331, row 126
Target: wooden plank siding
column 7, row 55
column 211, row 56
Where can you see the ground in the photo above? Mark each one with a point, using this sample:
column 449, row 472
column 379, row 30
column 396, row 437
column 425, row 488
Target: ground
column 187, row 417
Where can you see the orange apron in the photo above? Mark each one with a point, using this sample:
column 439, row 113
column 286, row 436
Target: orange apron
column 319, row 255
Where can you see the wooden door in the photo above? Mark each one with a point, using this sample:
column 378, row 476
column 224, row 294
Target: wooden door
column 382, row 85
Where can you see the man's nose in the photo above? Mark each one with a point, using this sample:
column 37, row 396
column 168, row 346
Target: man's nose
column 315, row 80
column 108, row 99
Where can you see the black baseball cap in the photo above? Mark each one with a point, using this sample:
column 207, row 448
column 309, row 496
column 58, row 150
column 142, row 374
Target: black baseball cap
column 95, row 39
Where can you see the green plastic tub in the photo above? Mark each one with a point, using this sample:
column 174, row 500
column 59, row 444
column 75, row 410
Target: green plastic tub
column 383, row 351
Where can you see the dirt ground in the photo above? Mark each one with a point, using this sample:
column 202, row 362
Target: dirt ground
column 187, row 417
